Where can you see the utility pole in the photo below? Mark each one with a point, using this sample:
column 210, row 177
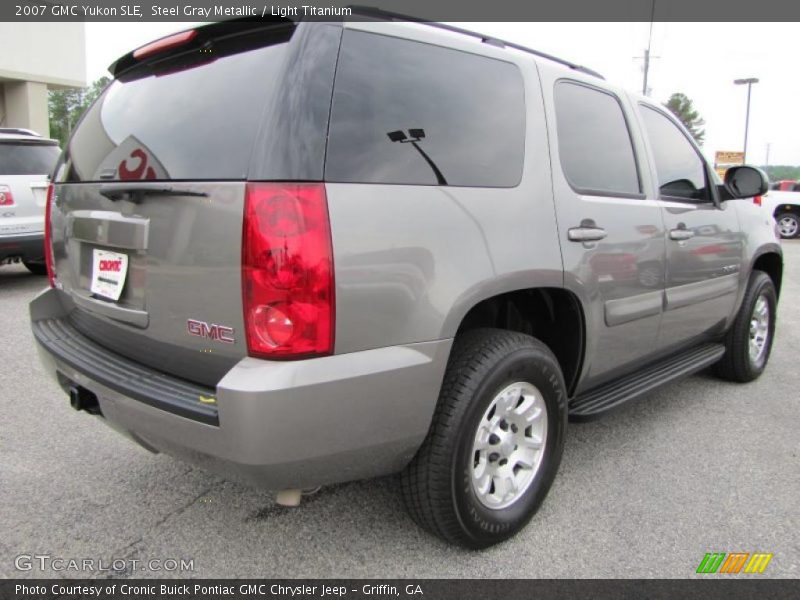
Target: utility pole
column 749, row 83
column 767, row 162
column 646, row 69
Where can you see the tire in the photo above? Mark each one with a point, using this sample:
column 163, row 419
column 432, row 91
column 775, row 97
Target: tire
column 739, row 363
column 788, row 225
column 437, row 486
column 36, row 268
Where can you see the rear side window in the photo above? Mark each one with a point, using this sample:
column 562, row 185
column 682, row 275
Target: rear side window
column 27, row 159
column 681, row 171
column 594, row 143
column 194, row 117
column 411, row 113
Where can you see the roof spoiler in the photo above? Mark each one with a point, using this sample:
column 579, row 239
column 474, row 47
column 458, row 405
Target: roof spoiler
column 202, row 35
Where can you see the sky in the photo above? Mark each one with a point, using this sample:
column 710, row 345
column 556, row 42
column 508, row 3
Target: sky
column 700, row 60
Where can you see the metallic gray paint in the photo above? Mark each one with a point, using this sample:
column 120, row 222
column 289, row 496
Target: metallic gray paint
column 108, row 228
column 366, row 413
column 700, row 291
column 184, row 261
column 640, row 306
column 608, row 275
column 410, row 262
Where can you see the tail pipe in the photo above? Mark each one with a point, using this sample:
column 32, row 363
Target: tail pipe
column 82, row 399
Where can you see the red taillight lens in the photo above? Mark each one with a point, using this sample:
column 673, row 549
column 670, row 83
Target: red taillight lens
column 167, row 43
column 287, row 270
column 757, row 200
column 48, row 237
column 6, row 197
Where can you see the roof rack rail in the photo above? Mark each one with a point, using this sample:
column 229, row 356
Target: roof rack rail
column 19, row 131
column 378, row 13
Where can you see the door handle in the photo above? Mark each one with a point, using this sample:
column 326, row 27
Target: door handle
column 586, row 234
column 680, row 234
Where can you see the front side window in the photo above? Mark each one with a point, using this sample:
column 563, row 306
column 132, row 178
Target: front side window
column 406, row 112
column 681, row 172
column 594, row 143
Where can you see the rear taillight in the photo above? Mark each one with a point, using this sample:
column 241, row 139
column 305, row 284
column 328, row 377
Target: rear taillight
column 48, row 237
column 6, row 197
column 287, row 270
column 757, row 200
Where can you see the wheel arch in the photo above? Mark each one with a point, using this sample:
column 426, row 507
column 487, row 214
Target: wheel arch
column 770, row 262
column 553, row 315
column 786, row 208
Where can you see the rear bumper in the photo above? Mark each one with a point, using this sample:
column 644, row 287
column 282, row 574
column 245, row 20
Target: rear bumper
column 278, row 424
column 28, row 247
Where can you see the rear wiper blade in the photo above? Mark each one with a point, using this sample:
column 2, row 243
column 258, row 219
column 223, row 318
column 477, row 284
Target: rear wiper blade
column 135, row 193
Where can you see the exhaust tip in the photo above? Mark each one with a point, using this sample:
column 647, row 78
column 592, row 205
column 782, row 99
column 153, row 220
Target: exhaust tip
column 289, row 498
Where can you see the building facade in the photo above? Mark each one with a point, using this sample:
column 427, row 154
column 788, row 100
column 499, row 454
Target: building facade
column 37, row 57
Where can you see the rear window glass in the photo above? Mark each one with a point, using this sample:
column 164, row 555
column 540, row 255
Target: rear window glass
column 412, row 113
column 195, row 119
column 27, row 159
column 594, row 143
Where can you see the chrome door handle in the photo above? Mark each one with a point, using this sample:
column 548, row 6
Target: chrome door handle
column 680, row 234
column 586, row 234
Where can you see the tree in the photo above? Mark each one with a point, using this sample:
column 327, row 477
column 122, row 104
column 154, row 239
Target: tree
column 67, row 106
column 682, row 107
column 781, row 172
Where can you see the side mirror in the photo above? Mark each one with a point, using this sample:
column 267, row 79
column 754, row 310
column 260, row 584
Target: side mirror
column 746, row 182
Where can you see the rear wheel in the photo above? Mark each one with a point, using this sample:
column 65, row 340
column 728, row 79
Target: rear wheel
column 749, row 340
column 36, row 268
column 495, row 442
column 788, row 225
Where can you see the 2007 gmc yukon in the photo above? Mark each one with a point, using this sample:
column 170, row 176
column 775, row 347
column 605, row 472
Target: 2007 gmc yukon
column 305, row 253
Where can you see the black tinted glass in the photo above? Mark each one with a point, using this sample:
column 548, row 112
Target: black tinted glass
column 593, row 141
column 194, row 119
column 27, row 159
column 680, row 170
column 412, row 113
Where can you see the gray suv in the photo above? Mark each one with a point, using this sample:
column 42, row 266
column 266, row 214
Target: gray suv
column 304, row 253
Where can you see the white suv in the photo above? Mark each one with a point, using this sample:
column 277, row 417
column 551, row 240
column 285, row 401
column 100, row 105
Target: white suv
column 26, row 160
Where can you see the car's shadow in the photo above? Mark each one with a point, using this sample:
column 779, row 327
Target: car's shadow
column 373, row 508
column 16, row 277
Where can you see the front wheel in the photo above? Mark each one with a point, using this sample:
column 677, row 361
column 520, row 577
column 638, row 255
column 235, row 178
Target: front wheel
column 788, row 225
column 749, row 340
column 495, row 442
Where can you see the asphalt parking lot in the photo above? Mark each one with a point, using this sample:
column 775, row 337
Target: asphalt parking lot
column 698, row 466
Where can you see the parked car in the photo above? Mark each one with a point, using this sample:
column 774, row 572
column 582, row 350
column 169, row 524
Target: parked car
column 786, row 185
column 785, row 208
column 402, row 248
column 26, row 160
